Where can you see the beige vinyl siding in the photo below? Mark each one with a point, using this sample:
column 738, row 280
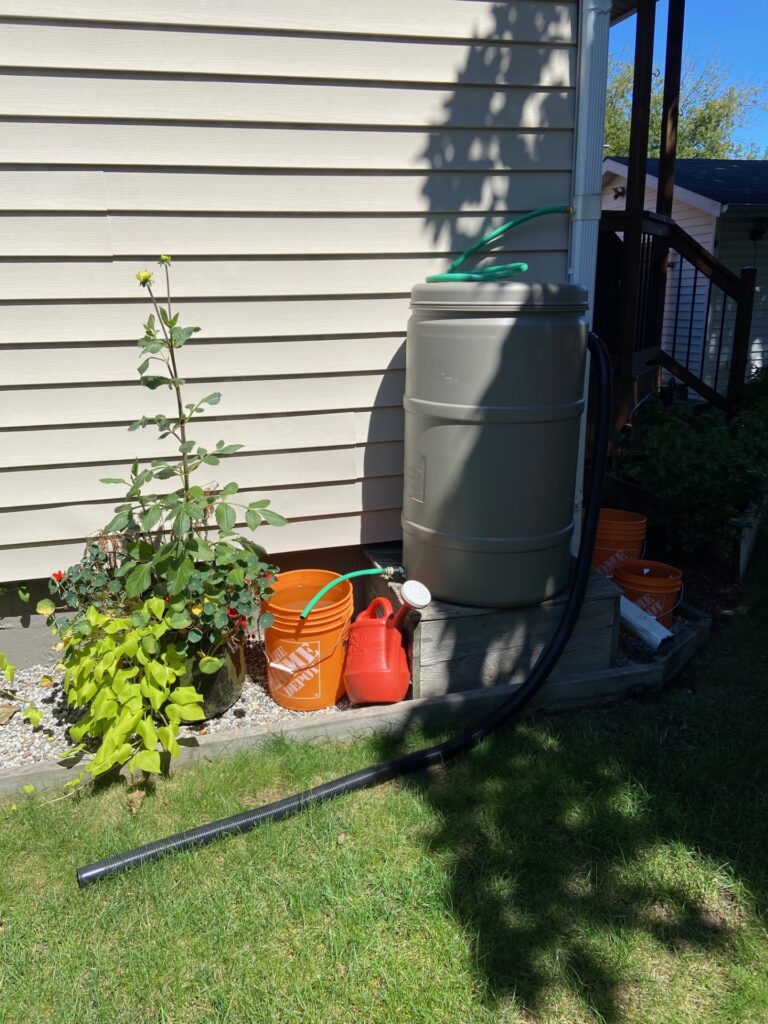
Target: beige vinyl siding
column 528, row 22
column 687, row 293
column 304, row 164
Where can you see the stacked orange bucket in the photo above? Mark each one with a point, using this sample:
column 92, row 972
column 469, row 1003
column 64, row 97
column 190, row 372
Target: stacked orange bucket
column 620, row 535
column 619, row 549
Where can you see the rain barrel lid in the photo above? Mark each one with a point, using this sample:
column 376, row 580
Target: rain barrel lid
column 499, row 295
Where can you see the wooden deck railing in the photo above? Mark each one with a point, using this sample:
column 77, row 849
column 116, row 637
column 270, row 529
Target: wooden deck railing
column 705, row 341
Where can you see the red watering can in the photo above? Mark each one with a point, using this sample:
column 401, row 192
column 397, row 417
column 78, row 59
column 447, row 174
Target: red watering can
column 376, row 670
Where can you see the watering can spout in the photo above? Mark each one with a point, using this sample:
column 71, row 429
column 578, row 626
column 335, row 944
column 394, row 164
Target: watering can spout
column 414, row 596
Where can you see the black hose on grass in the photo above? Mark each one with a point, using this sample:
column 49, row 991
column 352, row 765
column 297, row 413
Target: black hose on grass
column 441, row 752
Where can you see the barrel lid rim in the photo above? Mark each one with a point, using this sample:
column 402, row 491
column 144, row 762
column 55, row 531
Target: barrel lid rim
column 516, row 294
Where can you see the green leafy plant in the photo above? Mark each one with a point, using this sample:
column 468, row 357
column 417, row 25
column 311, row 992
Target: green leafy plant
column 133, row 676
column 168, row 586
column 699, row 469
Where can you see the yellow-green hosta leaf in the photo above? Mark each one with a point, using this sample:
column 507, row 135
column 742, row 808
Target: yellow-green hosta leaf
column 95, row 617
column 146, row 761
column 116, row 625
column 146, row 730
column 149, row 644
column 156, row 605
column 100, row 765
column 173, row 713
column 71, row 752
column 186, row 695
column 127, row 721
column 189, row 713
column 131, row 644
column 166, row 736
column 131, row 696
column 86, row 692
column 77, row 732
column 140, row 618
column 159, row 673
column 6, row 668
column 155, row 697
column 33, row 716
column 106, row 709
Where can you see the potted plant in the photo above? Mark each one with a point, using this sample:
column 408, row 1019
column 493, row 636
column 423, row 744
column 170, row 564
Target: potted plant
column 163, row 597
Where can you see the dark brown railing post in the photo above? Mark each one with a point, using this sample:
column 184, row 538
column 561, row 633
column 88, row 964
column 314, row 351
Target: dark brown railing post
column 671, row 107
column 741, row 336
column 633, row 234
column 673, row 63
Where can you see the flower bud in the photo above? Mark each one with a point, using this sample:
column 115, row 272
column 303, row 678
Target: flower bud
column 144, row 277
column 164, row 260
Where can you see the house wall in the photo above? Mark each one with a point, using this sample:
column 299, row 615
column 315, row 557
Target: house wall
column 304, row 164
column 736, row 250
column 687, row 293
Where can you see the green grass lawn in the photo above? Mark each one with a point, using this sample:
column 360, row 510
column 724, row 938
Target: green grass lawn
column 601, row 866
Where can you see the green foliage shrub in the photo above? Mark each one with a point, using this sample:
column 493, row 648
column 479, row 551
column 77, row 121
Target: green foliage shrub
column 699, row 469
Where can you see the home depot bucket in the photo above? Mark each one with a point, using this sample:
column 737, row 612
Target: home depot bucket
column 653, row 586
column 620, row 535
column 305, row 656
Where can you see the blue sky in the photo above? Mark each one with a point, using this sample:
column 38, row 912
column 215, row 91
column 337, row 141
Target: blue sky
column 736, row 34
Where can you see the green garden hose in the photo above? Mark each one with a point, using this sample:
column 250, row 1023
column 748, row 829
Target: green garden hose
column 499, row 271
column 388, row 571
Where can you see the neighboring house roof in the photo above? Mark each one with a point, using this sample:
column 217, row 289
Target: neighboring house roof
column 728, row 182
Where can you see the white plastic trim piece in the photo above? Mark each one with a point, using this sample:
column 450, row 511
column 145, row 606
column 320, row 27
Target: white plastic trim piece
column 642, row 625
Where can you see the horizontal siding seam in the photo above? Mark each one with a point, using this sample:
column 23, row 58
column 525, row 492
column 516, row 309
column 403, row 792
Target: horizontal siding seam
column 286, row 33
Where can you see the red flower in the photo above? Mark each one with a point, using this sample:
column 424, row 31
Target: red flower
column 167, row 598
column 242, row 622
column 58, row 575
column 232, row 613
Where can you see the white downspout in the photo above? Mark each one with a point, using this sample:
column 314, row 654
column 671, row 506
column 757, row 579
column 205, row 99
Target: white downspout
column 594, row 25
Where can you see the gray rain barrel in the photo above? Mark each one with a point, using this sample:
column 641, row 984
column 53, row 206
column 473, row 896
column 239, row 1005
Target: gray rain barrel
column 493, row 396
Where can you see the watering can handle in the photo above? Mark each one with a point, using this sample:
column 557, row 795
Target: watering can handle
column 378, row 602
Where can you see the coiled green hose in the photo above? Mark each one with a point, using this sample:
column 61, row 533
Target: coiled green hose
column 500, row 270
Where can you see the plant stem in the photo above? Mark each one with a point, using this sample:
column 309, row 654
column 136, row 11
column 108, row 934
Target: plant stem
column 182, row 423
column 168, row 291
column 176, row 387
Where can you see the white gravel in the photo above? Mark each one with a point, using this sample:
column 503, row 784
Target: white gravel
column 20, row 744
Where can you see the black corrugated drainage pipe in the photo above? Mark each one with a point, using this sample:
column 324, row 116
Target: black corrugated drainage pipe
column 441, row 752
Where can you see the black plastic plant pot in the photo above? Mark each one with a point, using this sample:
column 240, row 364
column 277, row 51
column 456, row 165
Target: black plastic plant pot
column 223, row 688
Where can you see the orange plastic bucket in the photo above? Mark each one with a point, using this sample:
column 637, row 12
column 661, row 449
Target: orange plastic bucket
column 305, row 657
column 620, row 535
column 653, row 586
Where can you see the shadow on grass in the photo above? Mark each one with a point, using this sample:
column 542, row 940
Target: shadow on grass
column 576, row 840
